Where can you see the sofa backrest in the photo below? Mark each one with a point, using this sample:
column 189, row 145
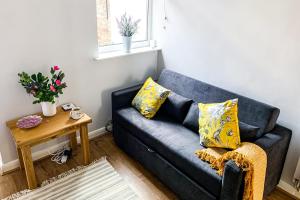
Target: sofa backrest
column 250, row 111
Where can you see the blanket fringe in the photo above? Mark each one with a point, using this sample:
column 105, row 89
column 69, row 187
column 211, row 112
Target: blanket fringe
column 17, row 195
column 239, row 159
column 71, row 171
column 208, row 158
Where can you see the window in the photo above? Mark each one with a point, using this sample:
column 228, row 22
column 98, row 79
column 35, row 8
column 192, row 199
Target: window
column 109, row 38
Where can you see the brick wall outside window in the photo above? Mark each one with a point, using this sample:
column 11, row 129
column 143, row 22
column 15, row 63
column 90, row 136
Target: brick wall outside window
column 103, row 22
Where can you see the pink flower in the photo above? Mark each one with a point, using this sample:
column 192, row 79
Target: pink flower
column 52, row 88
column 56, row 68
column 58, row 82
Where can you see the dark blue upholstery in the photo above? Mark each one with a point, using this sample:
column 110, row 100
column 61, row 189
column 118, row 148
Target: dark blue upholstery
column 184, row 187
column 174, row 142
column 176, row 106
column 276, row 144
column 192, row 117
column 166, row 147
column 250, row 111
column 232, row 172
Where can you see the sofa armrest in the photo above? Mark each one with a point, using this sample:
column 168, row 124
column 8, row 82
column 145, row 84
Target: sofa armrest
column 232, row 182
column 122, row 98
column 275, row 144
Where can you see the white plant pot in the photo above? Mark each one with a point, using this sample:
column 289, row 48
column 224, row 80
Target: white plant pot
column 48, row 108
column 127, row 44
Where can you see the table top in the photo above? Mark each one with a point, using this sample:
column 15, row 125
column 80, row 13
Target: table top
column 49, row 128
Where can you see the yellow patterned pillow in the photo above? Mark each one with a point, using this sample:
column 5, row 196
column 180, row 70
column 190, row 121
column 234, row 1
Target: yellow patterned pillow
column 150, row 97
column 218, row 124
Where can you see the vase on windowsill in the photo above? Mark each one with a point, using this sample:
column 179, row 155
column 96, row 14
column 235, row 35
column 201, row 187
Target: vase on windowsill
column 127, row 44
column 127, row 27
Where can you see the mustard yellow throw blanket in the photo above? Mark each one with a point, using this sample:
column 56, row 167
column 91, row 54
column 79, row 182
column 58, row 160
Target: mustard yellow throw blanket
column 249, row 157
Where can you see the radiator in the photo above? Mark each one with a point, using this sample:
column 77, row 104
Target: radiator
column 297, row 176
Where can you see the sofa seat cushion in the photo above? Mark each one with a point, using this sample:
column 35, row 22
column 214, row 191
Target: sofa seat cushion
column 174, row 142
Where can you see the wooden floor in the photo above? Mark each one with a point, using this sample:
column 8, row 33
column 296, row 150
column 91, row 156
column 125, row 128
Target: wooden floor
column 141, row 181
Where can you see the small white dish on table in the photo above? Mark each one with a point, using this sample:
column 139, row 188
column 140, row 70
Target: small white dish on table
column 76, row 113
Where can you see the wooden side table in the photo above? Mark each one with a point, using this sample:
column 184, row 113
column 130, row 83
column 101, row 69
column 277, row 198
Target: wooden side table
column 50, row 128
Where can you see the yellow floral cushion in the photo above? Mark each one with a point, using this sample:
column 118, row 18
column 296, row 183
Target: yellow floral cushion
column 150, row 97
column 218, row 124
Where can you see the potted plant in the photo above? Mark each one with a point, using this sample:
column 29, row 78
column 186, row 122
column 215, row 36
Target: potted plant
column 127, row 27
column 44, row 90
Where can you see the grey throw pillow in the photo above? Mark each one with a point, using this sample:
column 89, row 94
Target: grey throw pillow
column 192, row 117
column 248, row 133
column 176, row 106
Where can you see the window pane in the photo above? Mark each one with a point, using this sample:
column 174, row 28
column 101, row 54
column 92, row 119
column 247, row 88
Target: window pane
column 109, row 10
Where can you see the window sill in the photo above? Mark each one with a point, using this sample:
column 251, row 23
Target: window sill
column 118, row 54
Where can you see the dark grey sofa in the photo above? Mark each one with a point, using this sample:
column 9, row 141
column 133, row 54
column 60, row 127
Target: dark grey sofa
column 166, row 147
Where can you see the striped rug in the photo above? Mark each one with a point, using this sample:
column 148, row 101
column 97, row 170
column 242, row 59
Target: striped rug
column 98, row 181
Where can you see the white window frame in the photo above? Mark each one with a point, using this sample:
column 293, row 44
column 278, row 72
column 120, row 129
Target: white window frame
column 135, row 44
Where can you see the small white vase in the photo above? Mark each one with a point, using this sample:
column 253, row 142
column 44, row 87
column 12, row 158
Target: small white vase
column 48, row 108
column 127, row 44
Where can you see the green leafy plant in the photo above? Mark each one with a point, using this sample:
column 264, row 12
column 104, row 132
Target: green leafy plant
column 43, row 88
column 127, row 26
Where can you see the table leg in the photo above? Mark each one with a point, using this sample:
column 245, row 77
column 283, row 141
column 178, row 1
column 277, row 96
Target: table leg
column 73, row 141
column 85, row 144
column 28, row 165
column 21, row 161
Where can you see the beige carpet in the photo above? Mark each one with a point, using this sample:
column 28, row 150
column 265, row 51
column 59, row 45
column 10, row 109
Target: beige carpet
column 98, row 181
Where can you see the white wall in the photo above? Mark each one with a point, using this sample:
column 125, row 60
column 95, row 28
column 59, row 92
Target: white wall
column 250, row 47
column 35, row 35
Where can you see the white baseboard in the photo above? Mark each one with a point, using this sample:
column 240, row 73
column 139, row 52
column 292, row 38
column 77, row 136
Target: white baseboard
column 289, row 189
column 45, row 152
